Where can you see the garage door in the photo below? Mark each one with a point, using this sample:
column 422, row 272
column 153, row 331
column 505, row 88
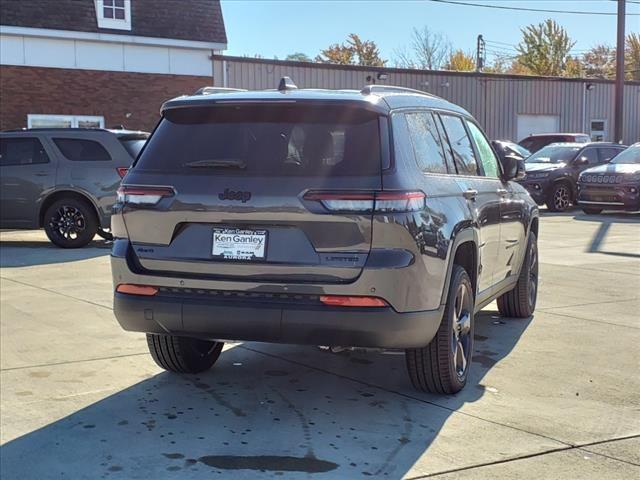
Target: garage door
column 531, row 124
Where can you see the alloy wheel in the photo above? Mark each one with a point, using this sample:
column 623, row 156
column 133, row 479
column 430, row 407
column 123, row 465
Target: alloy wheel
column 68, row 222
column 533, row 275
column 461, row 335
column 561, row 198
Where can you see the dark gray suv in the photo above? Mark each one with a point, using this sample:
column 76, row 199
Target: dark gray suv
column 373, row 218
column 64, row 180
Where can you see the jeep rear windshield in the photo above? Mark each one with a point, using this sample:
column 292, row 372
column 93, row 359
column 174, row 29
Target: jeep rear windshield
column 265, row 140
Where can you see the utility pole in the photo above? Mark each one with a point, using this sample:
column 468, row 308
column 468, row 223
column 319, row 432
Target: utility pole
column 480, row 54
column 618, row 126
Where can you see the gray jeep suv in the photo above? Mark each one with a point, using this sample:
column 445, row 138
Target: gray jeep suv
column 64, row 179
column 373, row 218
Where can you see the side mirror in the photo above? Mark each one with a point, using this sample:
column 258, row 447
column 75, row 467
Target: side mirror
column 512, row 168
column 581, row 161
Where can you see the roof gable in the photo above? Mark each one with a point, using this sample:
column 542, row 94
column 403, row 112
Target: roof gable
column 199, row 20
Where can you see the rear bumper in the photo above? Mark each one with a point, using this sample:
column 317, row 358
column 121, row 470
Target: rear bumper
column 277, row 323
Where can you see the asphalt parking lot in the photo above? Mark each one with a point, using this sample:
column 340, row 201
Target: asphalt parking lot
column 554, row 396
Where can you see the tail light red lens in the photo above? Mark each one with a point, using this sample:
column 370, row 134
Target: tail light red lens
column 346, row 301
column 376, row 201
column 143, row 290
column 122, row 171
column 143, row 195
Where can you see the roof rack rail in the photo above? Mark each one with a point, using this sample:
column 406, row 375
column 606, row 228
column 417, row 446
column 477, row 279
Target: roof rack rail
column 211, row 90
column 371, row 89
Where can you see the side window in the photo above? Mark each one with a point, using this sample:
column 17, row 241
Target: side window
column 463, row 155
column 591, row 154
column 426, row 142
column 22, row 151
column 79, row 150
column 607, row 154
column 487, row 157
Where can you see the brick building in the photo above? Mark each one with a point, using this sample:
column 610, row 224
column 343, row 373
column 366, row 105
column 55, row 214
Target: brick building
column 100, row 63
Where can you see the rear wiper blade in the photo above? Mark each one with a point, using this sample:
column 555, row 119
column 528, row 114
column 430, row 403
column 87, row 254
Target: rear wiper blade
column 217, row 163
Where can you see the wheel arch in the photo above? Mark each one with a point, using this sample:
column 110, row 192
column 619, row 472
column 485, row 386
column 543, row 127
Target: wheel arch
column 464, row 252
column 60, row 194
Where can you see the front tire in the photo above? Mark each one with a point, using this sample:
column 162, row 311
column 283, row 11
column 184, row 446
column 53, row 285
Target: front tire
column 70, row 223
column 560, row 198
column 443, row 365
column 183, row 354
column 521, row 301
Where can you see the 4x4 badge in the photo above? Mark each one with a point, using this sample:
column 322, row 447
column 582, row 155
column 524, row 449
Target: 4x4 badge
column 231, row 195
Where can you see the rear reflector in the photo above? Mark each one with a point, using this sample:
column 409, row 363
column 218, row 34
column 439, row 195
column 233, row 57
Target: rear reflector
column 122, row 171
column 143, row 195
column 144, row 290
column 345, row 301
column 378, row 202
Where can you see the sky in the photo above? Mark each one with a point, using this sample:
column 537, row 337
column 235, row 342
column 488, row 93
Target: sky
column 277, row 28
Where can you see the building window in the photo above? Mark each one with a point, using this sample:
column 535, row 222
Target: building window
column 114, row 14
column 64, row 121
column 113, row 9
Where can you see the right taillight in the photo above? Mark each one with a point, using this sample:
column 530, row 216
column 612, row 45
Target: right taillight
column 143, row 195
column 371, row 202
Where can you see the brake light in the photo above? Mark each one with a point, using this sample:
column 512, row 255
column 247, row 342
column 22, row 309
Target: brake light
column 131, row 289
column 122, row 171
column 143, row 195
column 346, row 301
column 378, row 202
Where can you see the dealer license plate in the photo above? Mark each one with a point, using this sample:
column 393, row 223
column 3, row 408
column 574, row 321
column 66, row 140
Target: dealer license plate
column 239, row 244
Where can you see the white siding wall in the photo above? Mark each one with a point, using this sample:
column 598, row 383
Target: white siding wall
column 96, row 55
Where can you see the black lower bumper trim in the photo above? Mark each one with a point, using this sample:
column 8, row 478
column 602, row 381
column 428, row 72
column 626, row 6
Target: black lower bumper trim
column 296, row 324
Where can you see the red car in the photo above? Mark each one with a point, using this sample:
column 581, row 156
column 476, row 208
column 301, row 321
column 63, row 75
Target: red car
column 533, row 143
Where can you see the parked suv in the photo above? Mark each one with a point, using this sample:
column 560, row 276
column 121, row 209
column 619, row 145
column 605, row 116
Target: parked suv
column 552, row 173
column 373, row 218
column 64, row 180
column 615, row 186
column 533, row 143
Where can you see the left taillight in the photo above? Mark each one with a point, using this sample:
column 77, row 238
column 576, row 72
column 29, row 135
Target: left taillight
column 122, row 171
column 143, row 195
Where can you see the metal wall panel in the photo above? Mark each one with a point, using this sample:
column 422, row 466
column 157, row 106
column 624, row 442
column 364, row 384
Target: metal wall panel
column 495, row 101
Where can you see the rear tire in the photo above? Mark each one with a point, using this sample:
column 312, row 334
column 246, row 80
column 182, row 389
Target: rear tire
column 592, row 211
column 521, row 301
column 443, row 365
column 183, row 354
column 560, row 197
column 70, row 223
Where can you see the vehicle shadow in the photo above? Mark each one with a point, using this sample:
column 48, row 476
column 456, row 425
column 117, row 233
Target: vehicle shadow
column 267, row 410
column 24, row 253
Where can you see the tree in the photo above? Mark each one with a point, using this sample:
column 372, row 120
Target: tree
column 461, row 61
column 298, row 57
column 544, row 48
column 632, row 56
column 574, row 67
column 428, row 51
column 354, row 52
column 600, row 62
column 366, row 50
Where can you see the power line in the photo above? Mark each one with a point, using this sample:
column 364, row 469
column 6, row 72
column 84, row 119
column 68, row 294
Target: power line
column 524, row 9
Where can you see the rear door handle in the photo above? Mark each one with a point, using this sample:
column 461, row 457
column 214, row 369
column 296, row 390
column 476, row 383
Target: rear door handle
column 470, row 194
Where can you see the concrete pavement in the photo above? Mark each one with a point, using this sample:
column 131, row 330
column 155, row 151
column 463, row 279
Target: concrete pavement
column 555, row 396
